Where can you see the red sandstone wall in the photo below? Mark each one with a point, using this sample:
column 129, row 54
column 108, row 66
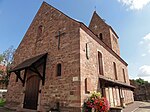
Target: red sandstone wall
column 114, row 42
column 56, row 89
column 89, row 67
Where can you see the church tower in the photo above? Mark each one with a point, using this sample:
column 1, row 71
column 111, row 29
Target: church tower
column 104, row 32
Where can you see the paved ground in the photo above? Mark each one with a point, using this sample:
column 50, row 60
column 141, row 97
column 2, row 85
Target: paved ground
column 138, row 106
column 134, row 107
column 144, row 107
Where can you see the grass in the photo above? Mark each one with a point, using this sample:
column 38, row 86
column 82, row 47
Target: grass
column 2, row 102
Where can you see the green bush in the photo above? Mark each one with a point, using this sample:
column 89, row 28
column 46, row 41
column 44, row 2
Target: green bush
column 2, row 102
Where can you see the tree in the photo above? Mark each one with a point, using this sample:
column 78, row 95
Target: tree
column 6, row 59
column 141, row 81
column 8, row 56
column 1, row 58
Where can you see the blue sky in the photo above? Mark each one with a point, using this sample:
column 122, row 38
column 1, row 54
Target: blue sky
column 129, row 18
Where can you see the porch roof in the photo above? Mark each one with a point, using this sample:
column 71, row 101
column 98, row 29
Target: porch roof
column 31, row 64
column 110, row 82
column 27, row 63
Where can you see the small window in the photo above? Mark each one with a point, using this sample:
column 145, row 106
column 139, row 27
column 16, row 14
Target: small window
column 40, row 29
column 115, row 70
column 86, row 86
column 59, row 69
column 87, row 51
column 100, row 36
column 100, row 62
column 124, row 76
column 39, row 33
column 57, row 105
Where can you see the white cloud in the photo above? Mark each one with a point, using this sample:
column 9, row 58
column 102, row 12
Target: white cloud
column 145, row 45
column 136, row 72
column 146, row 78
column 147, row 37
column 141, row 42
column 135, row 4
column 143, row 55
column 133, row 69
column 144, row 71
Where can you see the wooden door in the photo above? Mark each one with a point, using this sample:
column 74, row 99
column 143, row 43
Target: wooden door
column 31, row 92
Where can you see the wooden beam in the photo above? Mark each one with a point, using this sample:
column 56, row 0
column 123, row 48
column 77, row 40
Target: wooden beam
column 24, row 78
column 44, row 69
column 35, row 70
column 18, row 76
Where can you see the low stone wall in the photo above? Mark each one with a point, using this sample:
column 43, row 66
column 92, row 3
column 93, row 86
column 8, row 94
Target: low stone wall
column 3, row 93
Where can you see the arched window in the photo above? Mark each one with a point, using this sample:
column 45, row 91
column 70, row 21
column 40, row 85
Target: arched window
column 86, row 86
column 100, row 36
column 59, row 69
column 87, row 51
column 115, row 70
column 100, row 62
column 57, row 105
column 40, row 31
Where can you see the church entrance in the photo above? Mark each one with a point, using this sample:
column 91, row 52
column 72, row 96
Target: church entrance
column 30, row 72
column 32, row 92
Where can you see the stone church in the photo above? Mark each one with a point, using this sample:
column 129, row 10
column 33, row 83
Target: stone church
column 60, row 61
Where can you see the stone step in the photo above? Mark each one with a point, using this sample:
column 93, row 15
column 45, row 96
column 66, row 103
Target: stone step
column 26, row 110
column 115, row 109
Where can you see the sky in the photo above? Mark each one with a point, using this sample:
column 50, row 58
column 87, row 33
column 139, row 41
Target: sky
column 129, row 18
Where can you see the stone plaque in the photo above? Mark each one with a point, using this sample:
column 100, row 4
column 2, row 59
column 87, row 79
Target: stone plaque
column 75, row 78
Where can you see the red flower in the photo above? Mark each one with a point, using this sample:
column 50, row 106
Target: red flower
column 98, row 103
